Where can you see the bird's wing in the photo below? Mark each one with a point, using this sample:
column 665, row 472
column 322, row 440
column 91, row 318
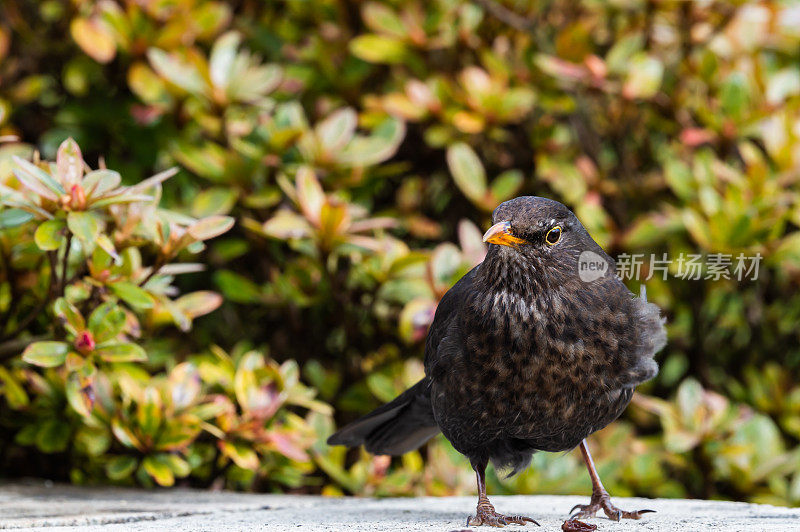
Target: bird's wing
column 644, row 337
column 447, row 310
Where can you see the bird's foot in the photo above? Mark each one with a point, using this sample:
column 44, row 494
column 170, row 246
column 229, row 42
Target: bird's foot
column 602, row 501
column 573, row 525
column 486, row 515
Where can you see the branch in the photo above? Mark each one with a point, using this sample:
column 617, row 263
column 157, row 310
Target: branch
column 11, row 348
column 505, row 15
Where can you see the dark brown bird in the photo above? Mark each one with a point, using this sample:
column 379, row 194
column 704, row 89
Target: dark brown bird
column 534, row 349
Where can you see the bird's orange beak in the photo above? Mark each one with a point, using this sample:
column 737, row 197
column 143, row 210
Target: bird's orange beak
column 500, row 233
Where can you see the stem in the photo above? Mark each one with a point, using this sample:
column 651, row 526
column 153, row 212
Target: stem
column 64, row 264
column 5, row 260
column 156, row 268
column 52, row 260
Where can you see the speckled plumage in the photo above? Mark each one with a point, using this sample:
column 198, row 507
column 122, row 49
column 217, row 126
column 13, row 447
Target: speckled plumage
column 523, row 355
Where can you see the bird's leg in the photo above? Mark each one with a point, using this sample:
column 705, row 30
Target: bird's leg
column 600, row 497
column 485, row 514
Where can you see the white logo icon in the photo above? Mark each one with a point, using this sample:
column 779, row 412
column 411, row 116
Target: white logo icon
column 591, row 266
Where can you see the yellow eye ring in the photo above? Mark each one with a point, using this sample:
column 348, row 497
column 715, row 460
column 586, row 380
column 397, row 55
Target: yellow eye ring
column 553, row 236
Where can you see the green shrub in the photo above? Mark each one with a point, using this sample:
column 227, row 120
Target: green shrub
column 354, row 144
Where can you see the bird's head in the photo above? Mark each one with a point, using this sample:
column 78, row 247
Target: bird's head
column 541, row 230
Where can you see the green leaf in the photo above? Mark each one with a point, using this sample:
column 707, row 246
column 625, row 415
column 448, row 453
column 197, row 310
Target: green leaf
column 215, row 200
column 382, row 19
column 104, row 242
column 120, row 467
column 124, row 435
column 53, row 436
column 159, row 468
column 70, row 315
column 222, row 58
column 176, row 436
column 49, row 235
column 179, row 466
column 735, row 96
column 98, row 182
column 378, row 49
column 467, row 171
column 372, row 149
column 106, row 322
column 337, row 129
column 242, row 455
column 135, row 296
column 644, row 77
column 236, row 287
column 84, row 225
column 506, row 185
column 13, row 391
column 80, row 394
column 122, row 352
column 46, row 354
column 10, row 218
column 148, row 413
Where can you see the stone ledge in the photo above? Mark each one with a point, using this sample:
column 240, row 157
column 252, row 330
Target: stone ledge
column 47, row 507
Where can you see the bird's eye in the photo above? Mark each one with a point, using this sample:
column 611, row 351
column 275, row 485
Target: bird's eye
column 553, row 236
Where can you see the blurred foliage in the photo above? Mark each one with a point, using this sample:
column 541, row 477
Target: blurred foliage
column 360, row 148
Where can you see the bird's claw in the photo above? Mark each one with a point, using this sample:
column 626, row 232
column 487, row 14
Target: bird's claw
column 573, row 525
column 602, row 501
column 491, row 518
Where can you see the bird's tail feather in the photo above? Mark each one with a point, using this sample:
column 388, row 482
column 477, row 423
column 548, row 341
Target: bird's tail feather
column 395, row 428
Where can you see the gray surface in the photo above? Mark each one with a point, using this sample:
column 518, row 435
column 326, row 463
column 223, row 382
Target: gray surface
column 35, row 506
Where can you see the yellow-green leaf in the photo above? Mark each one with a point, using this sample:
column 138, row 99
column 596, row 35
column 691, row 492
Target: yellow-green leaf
column 49, row 235
column 46, row 354
column 133, row 295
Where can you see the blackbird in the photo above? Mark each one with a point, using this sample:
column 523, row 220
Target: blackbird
column 525, row 354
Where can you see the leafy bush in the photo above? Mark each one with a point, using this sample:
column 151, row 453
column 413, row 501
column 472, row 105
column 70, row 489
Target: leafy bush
column 354, row 145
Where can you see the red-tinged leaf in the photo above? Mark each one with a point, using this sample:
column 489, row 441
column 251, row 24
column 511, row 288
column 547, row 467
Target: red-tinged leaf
column 37, row 180
column 199, row 303
column 69, row 163
column 210, row 227
column 284, row 445
column 310, row 195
